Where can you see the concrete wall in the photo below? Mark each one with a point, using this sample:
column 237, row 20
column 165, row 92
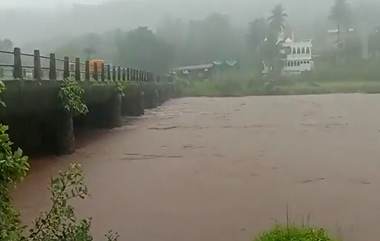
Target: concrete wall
column 39, row 125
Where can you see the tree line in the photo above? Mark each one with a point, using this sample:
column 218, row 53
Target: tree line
column 177, row 42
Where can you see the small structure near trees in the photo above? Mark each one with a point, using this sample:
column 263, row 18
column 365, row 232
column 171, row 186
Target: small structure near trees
column 205, row 71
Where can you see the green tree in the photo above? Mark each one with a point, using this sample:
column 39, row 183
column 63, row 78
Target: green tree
column 142, row 49
column 257, row 32
column 202, row 41
column 88, row 52
column 6, row 44
column 70, row 49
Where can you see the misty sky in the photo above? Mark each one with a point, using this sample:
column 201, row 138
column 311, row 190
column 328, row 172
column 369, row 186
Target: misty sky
column 43, row 3
column 33, row 25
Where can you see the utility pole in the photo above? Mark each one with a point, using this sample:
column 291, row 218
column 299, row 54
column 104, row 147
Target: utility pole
column 363, row 33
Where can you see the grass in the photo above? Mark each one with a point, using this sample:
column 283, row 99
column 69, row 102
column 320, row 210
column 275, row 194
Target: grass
column 229, row 87
column 292, row 232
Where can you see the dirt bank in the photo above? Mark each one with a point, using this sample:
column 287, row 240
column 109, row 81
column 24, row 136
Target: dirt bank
column 225, row 169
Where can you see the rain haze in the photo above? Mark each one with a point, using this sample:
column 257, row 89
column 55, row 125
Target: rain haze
column 224, row 117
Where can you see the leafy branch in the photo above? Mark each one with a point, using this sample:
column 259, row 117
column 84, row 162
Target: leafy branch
column 121, row 88
column 13, row 168
column 71, row 95
column 60, row 222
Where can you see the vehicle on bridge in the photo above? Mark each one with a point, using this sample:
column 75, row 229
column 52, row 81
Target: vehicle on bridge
column 92, row 63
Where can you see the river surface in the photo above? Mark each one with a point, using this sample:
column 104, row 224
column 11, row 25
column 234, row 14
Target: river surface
column 226, row 169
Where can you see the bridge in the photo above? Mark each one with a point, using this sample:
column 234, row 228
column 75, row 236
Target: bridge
column 37, row 121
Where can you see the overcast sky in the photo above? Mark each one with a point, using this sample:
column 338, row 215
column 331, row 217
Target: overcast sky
column 43, row 3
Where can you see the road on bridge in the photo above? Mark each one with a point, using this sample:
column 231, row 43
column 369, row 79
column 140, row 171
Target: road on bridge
column 225, row 169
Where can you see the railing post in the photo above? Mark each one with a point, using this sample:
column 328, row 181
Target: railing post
column 77, row 69
column 66, row 68
column 113, row 73
column 17, row 64
column 128, row 74
column 87, row 71
column 37, row 65
column 132, row 77
column 96, row 71
column 52, row 68
column 118, row 73
column 150, row 77
column 102, row 73
column 123, row 74
column 108, row 72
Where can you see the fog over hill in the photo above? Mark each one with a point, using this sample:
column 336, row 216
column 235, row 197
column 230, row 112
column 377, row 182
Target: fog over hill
column 46, row 23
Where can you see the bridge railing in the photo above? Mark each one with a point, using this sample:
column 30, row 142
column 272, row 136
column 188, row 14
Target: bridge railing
column 38, row 67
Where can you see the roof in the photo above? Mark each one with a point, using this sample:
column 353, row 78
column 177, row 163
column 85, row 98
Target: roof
column 341, row 30
column 194, row 67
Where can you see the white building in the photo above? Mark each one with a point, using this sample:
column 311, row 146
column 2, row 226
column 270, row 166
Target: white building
column 300, row 57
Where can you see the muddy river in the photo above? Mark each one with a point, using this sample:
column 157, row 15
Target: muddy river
column 227, row 168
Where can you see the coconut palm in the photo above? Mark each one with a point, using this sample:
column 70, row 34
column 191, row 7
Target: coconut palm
column 277, row 19
column 272, row 51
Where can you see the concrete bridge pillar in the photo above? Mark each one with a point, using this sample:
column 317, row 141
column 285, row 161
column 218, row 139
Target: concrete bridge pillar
column 65, row 140
column 132, row 102
column 140, row 101
column 112, row 111
column 151, row 97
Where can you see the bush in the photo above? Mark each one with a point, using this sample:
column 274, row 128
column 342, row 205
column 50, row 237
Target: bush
column 293, row 233
column 223, row 85
column 363, row 70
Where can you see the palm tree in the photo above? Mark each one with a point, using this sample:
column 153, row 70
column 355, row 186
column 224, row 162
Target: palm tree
column 273, row 53
column 277, row 19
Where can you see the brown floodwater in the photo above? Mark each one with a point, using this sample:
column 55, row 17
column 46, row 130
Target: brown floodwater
column 227, row 168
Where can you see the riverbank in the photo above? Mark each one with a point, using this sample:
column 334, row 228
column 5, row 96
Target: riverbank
column 226, row 87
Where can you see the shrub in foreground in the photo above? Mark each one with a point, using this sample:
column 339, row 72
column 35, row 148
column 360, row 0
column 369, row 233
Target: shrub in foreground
column 294, row 233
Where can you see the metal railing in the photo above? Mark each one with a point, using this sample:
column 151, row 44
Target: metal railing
column 52, row 68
